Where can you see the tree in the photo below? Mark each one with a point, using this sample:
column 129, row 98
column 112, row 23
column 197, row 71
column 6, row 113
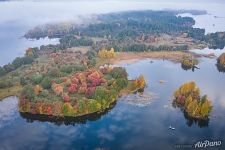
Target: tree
column 37, row 78
column 188, row 98
column 2, row 71
column 8, row 68
column 28, row 92
column 29, row 52
column 221, row 60
column 38, row 89
column 104, row 53
column 100, row 93
column 23, row 81
column 46, row 83
column 57, row 88
column 53, row 72
column 140, row 82
column 68, row 110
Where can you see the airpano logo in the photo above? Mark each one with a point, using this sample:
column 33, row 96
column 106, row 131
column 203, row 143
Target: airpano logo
column 207, row 143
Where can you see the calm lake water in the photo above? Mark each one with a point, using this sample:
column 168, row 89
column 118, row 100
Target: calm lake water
column 126, row 125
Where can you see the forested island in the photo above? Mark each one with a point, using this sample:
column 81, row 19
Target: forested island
column 188, row 99
column 78, row 77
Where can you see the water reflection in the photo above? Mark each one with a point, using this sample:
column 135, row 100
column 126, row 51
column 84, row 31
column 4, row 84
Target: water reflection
column 220, row 68
column 8, row 109
column 189, row 68
column 191, row 121
column 30, row 118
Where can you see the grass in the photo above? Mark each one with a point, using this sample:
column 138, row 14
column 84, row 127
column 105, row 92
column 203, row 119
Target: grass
column 12, row 91
column 130, row 57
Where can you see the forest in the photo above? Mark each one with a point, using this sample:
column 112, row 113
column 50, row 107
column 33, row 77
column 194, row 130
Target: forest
column 138, row 30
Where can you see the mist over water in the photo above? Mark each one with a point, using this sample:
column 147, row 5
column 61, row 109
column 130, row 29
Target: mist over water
column 17, row 17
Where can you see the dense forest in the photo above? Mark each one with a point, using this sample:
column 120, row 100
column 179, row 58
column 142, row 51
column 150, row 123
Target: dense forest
column 129, row 31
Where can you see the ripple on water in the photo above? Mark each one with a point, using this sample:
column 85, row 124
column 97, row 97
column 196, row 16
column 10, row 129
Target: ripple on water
column 140, row 99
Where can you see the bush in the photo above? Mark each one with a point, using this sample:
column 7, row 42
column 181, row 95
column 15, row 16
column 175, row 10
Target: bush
column 6, row 83
column 8, row 68
column 221, row 60
column 67, row 110
column 2, row 71
column 91, row 54
column 121, row 83
column 46, row 83
column 92, row 62
column 37, row 78
column 81, row 105
column 66, row 69
column 119, row 72
column 93, row 105
column 44, row 93
column 80, row 68
column 28, row 92
column 19, row 61
column 53, row 72
column 100, row 93
column 23, row 81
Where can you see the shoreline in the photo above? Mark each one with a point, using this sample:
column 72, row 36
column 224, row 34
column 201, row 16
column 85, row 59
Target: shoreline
column 131, row 57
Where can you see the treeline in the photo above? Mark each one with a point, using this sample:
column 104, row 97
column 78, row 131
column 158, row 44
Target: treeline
column 28, row 58
column 216, row 40
column 144, row 47
column 126, row 27
column 68, row 42
column 120, row 25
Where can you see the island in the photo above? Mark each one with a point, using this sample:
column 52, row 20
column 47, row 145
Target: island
column 189, row 63
column 221, row 63
column 188, row 99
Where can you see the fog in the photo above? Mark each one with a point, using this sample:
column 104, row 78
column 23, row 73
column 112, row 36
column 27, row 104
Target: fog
column 19, row 16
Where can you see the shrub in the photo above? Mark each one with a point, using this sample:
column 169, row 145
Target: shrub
column 188, row 62
column 23, row 81
column 6, row 83
column 92, row 62
column 221, row 60
column 93, row 105
column 8, row 68
column 79, row 68
column 2, row 71
column 44, row 93
column 82, row 106
column 72, row 88
column 53, row 72
column 37, row 89
column 66, row 98
column 66, row 69
column 67, row 110
column 119, row 72
column 28, row 92
column 140, row 82
column 46, row 83
column 121, row 83
column 91, row 54
column 104, row 53
column 37, row 78
column 57, row 88
column 100, row 93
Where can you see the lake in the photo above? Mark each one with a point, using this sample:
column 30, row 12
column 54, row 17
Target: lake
column 127, row 125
